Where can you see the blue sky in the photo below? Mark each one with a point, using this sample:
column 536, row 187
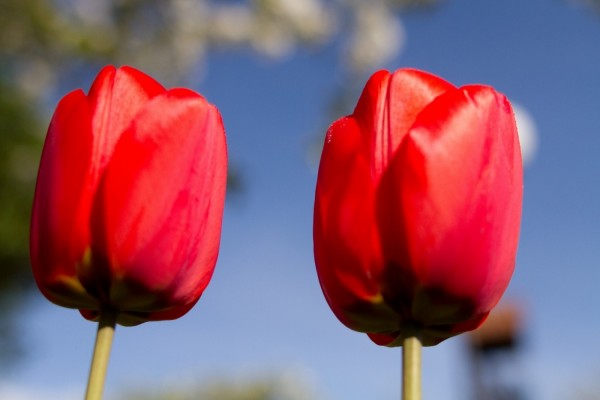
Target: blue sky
column 264, row 312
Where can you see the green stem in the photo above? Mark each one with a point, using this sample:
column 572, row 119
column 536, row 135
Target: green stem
column 104, row 338
column 411, row 368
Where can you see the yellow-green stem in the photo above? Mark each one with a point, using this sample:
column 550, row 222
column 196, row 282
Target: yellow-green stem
column 411, row 368
column 104, row 338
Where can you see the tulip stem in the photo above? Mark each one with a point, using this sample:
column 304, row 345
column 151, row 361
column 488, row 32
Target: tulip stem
column 411, row 368
column 104, row 338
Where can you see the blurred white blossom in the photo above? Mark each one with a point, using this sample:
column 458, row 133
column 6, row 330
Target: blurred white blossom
column 173, row 37
column 378, row 35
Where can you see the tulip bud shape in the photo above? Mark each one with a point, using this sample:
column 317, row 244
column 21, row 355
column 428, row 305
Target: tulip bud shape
column 418, row 208
column 129, row 199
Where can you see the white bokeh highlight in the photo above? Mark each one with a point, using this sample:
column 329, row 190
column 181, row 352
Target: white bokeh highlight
column 528, row 134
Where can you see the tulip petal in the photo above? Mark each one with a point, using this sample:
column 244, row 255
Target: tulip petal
column 388, row 107
column 158, row 221
column 59, row 228
column 459, row 186
column 349, row 273
column 116, row 96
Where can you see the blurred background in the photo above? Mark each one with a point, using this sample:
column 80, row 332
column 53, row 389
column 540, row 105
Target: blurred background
column 281, row 71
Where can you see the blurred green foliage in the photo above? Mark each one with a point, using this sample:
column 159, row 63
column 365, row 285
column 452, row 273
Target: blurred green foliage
column 19, row 151
column 258, row 388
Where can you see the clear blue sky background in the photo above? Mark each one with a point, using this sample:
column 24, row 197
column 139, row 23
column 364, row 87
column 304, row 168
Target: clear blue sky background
column 264, row 312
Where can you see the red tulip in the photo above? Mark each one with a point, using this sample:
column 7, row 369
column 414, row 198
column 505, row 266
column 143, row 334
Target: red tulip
column 418, row 207
column 129, row 199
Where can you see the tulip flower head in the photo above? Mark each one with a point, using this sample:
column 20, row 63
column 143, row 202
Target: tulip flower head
column 418, row 207
column 129, row 199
